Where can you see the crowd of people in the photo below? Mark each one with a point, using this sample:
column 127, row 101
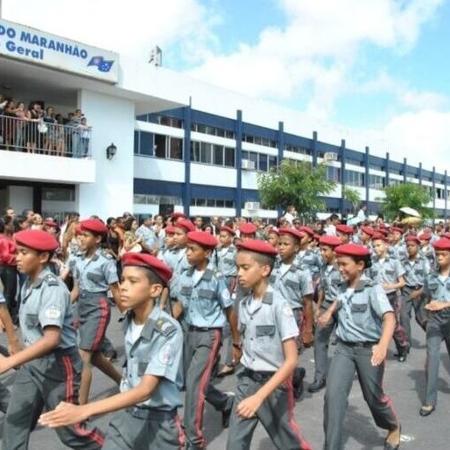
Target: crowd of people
column 187, row 287
column 40, row 129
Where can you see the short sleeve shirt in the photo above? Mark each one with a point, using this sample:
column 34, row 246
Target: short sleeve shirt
column 415, row 270
column 226, row 261
column 264, row 327
column 158, row 351
column 46, row 302
column 360, row 312
column 330, row 280
column 388, row 270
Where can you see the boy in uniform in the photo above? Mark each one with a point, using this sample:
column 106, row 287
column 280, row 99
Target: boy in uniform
column 295, row 285
column 417, row 268
column 387, row 271
column 94, row 274
column 206, row 302
column 247, row 231
column 365, row 325
column 273, row 236
column 50, row 363
column 167, row 252
column 146, row 409
column 396, row 249
column 344, row 233
column 427, row 249
column 330, row 280
column 437, row 295
column 269, row 332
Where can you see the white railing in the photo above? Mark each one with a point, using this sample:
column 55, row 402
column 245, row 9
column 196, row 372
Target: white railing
column 45, row 138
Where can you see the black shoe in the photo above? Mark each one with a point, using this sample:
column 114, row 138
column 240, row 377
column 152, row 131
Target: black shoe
column 226, row 413
column 424, row 411
column 316, row 386
column 402, row 356
column 299, row 376
column 388, row 446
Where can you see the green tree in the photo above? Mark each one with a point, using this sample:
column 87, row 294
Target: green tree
column 406, row 194
column 296, row 183
column 352, row 196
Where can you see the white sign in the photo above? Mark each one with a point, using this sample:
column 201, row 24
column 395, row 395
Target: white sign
column 31, row 45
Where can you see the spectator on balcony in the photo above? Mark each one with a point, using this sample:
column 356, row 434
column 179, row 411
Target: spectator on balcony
column 84, row 135
column 76, row 133
column 59, row 136
column 20, row 126
column 34, row 116
column 9, row 124
column 50, row 138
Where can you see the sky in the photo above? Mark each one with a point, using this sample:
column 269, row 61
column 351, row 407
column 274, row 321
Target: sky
column 378, row 68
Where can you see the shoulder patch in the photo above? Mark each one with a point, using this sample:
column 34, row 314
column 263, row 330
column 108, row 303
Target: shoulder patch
column 165, row 327
column 51, row 280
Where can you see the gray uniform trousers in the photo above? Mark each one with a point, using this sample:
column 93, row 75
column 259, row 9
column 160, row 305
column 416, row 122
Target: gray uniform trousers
column 276, row 415
column 400, row 338
column 144, row 429
column 43, row 384
column 201, row 357
column 227, row 338
column 321, row 342
column 438, row 330
column 406, row 309
column 5, row 395
column 346, row 360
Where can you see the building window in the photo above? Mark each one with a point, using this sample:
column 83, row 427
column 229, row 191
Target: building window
column 353, row 178
column 206, row 153
column 175, row 148
column 263, row 162
column 334, row 174
column 297, row 149
column 54, row 194
column 218, row 155
column 212, row 203
column 213, row 131
column 149, row 199
column 259, row 140
column 377, row 182
column 160, row 146
column 165, row 147
column 161, row 120
column 229, row 157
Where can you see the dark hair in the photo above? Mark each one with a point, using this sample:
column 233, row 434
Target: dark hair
column 128, row 222
column 263, row 260
column 2, row 225
column 109, row 220
column 367, row 260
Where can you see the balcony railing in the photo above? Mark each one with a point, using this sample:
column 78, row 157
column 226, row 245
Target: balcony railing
column 45, row 138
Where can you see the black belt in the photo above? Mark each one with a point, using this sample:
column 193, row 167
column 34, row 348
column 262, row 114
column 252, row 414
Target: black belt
column 364, row 344
column 414, row 288
column 258, row 376
column 194, row 328
column 85, row 294
column 152, row 413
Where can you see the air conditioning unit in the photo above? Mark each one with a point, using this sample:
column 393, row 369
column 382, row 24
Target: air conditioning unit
column 248, row 164
column 252, row 206
column 330, row 156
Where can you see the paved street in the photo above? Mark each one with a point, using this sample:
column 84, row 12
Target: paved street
column 404, row 382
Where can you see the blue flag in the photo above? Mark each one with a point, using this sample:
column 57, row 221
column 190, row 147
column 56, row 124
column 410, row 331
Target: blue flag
column 101, row 63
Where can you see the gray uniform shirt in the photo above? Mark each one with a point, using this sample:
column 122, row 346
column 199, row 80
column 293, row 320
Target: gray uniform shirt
column 360, row 312
column 158, row 351
column 415, row 270
column 226, row 261
column 264, row 326
column 95, row 274
column 46, row 302
column 311, row 259
column 438, row 288
column 330, row 280
column 388, row 270
column 292, row 284
column 204, row 301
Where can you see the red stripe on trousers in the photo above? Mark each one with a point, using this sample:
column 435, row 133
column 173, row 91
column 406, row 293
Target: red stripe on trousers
column 204, row 380
column 78, row 428
column 292, row 423
column 101, row 330
column 181, row 435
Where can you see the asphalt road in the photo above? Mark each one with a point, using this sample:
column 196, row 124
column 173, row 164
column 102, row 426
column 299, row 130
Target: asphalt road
column 403, row 382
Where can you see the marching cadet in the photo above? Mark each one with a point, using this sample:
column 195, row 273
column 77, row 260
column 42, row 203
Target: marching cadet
column 396, row 248
column 311, row 260
column 344, row 233
column 50, row 363
column 294, row 283
column 364, row 237
column 207, row 304
column 273, row 236
column 247, row 231
column 95, row 273
column 365, row 325
column 427, row 249
column 226, row 265
column 416, row 267
column 167, row 252
column 146, row 416
column 264, row 391
column 437, row 294
column 389, row 273
column 330, row 280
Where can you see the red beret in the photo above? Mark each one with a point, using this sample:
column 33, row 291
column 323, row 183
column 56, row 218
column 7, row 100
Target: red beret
column 442, row 244
column 185, row 224
column 412, row 238
column 170, row 229
column 425, row 237
column 368, row 230
column 352, row 250
column 202, row 238
column 396, row 229
column 149, row 262
column 446, row 235
column 331, row 241
column 177, row 215
column 78, row 229
column 274, row 230
column 37, row 240
column 297, row 234
column 346, row 229
column 379, row 236
column 94, row 226
column 228, row 230
column 257, row 246
column 247, row 228
column 51, row 223
column 307, row 230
